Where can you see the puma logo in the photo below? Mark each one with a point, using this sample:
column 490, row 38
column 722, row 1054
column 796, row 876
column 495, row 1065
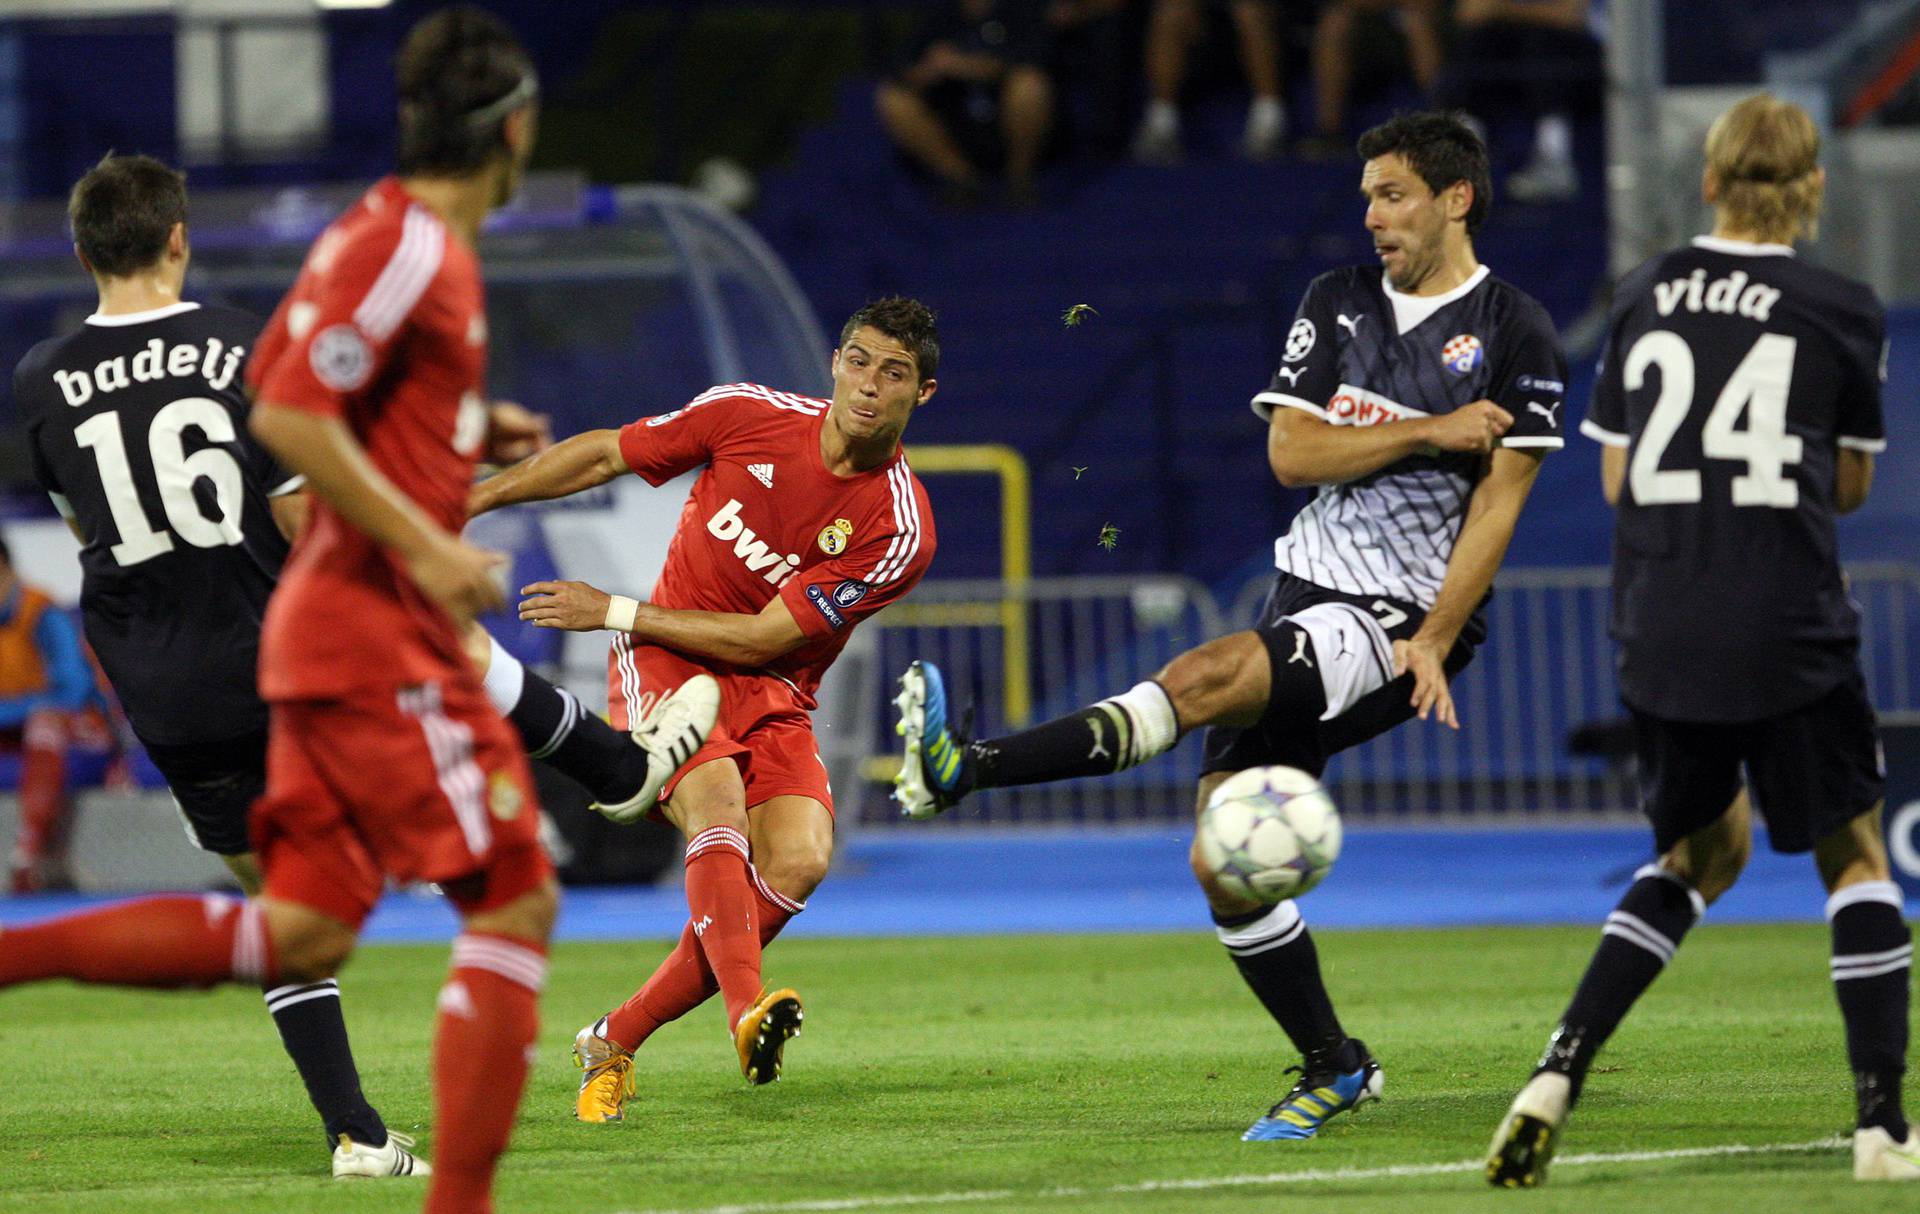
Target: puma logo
column 1099, row 740
column 1546, row 411
column 1350, row 323
column 1300, row 650
column 1293, row 374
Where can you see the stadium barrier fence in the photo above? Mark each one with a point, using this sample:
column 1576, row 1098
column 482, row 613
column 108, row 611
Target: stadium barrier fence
column 1543, row 737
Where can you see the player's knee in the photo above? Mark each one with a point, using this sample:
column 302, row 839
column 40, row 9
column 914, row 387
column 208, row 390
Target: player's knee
column 1709, row 862
column 528, row 917
column 1854, row 852
column 1221, row 900
column 1203, row 871
column 797, row 869
column 537, row 909
column 1212, row 684
column 309, row 947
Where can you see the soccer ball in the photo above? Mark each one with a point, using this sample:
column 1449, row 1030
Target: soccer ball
column 1270, row 833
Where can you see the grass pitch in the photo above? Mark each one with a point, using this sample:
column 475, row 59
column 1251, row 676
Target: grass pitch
column 992, row 1074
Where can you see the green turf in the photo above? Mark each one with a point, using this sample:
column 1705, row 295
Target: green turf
column 1023, row 1065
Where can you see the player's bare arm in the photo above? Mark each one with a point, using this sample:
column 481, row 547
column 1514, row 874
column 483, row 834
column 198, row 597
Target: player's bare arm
column 290, row 512
column 1852, row 480
column 585, row 461
column 1484, row 534
column 455, row 574
column 1303, row 450
column 1613, row 472
column 738, row 638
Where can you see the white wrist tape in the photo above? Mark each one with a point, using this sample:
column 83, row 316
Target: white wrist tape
column 620, row 613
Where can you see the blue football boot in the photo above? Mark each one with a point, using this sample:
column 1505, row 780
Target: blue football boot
column 1319, row 1094
column 935, row 770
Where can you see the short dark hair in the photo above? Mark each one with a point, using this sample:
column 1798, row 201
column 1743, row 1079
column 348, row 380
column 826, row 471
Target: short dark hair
column 1442, row 149
column 459, row 74
column 122, row 212
column 907, row 321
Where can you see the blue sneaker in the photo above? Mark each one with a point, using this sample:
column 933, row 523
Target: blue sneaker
column 1315, row 1098
column 935, row 770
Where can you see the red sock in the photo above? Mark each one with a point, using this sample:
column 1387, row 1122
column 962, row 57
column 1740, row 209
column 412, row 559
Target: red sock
column 489, row 1017
column 684, row 981
column 43, row 796
column 176, row 940
column 720, row 902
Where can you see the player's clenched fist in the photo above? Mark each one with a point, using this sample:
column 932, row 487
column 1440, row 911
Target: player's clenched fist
column 514, row 432
column 1473, row 428
column 463, row 579
column 574, row 606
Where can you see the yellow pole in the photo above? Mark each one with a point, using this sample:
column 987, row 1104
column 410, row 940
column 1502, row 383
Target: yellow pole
column 1016, row 555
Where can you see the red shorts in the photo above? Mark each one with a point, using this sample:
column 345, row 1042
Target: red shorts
column 761, row 727
column 424, row 783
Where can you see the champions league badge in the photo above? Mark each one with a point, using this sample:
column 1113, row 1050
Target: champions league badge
column 1461, row 354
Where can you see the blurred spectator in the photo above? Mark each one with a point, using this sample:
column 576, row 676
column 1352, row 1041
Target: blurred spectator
column 973, row 97
column 1533, row 58
column 1173, row 29
column 45, row 684
column 1092, row 67
column 1333, row 59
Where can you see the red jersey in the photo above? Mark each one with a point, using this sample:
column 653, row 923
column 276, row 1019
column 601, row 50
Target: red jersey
column 385, row 329
column 767, row 518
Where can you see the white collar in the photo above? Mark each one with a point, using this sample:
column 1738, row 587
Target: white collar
column 1410, row 310
column 1742, row 248
column 137, row 318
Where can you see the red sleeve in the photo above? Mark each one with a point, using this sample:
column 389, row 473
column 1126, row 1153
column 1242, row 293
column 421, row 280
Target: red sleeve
column 661, row 448
column 878, row 569
column 342, row 322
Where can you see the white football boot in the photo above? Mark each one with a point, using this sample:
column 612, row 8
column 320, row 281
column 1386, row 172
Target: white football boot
column 353, row 1160
column 1876, row 1156
column 677, row 726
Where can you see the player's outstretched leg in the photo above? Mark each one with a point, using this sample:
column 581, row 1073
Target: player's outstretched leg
column 1640, row 937
column 940, row 766
column 558, row 730
column 177, row 940
column 604, row 1049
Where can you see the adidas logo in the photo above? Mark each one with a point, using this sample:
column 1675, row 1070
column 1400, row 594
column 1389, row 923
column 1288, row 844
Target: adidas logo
column 762, row 473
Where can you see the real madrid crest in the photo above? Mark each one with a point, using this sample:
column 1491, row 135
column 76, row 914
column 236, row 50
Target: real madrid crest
column 835, row 537
column 504, row 798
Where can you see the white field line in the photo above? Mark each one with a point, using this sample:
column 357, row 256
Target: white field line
column 1306, row 1176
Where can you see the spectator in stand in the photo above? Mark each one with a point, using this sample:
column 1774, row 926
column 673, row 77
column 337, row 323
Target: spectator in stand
column 1333, row 60
column 45, row 685
column 973, row 97
column 1536, row 58
column 1092, row 64
column 1173, row 29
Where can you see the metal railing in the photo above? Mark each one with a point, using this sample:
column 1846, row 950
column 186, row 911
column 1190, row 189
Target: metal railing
column 1543, row 734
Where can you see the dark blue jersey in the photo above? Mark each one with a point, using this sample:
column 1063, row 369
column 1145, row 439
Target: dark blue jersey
column 137, row 426
column 1732, row 374
column 1360, row 354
